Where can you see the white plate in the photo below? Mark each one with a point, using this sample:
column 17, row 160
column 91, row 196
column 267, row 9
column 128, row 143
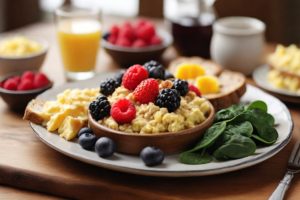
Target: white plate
column 260, row 77
column 171, row 167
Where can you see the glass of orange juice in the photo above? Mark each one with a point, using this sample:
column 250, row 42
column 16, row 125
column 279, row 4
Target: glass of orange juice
column 79, row 34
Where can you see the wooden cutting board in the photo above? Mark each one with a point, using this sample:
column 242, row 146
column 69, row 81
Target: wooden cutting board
column 25, row 162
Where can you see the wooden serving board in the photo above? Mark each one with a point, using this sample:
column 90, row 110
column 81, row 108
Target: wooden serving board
column 25, row 162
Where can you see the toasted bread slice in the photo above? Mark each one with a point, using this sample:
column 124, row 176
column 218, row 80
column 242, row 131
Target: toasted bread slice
column 233, row 86
column 210, row 67
column 33, row 111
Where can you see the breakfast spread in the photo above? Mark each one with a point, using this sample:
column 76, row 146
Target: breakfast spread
column 221, row 87
column 19, row 46
column 134, row 35
column 285, row 68
column 236, row 132
column 27, row 81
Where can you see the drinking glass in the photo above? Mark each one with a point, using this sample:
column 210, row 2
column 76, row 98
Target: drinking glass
column 79, row 34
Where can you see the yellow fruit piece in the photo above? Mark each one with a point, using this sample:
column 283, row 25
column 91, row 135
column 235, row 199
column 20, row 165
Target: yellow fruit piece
column 208, row 84
column 189, row 71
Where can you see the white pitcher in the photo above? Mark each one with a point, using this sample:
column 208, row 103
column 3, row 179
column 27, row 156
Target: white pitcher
column 238, row 43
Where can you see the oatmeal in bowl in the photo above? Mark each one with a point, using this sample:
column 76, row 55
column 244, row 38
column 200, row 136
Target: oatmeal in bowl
column 144, row 107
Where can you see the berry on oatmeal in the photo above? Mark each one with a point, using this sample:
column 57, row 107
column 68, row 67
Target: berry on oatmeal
column 123, row 111
column 133, row 76
column 118, row 78
column 181, row 86
column 108, row 87
column 155, row 69
column 194, row 89
column 168, row 75
column 146, row 91
column 168, row 98
column 100, row 108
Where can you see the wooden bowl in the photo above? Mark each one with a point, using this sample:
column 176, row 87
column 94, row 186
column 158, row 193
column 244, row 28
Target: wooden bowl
column 168, row 142
column 33, row 62
column 18, row 100
column 127, row 56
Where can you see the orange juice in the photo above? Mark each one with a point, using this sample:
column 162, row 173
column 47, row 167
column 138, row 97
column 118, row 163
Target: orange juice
column 79, row 42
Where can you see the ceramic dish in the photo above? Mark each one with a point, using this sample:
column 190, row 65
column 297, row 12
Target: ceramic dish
column 171, row 167
column 260, row 77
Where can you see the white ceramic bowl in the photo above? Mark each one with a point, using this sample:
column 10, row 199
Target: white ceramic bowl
column 32, row 62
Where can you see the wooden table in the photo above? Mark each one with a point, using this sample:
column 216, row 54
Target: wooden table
column 26, row 163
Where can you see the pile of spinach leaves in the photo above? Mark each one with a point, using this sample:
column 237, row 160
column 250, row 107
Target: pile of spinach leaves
column 235, row 133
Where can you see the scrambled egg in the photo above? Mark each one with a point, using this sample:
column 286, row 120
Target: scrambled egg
column 286, row 68
column 68, row 114
column 19, row 46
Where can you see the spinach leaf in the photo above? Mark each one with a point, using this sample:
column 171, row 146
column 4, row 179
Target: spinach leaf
column 210, row 136
column 194, row 158
column 266, row 135
column 258, row 105
column 229, row 113
column 237, row 147
column 244, row 128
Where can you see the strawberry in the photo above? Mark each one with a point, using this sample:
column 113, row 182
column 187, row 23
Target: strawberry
column 146, row 91
column 194, row 89
column 40, row 80
column 25, row 84
column 123, row 111
column 133, row 76
column 10, row 84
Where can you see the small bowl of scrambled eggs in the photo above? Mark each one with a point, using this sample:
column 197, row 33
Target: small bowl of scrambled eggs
column 20, row 53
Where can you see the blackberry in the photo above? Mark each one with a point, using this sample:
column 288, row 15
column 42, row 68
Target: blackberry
column 100, row 108
column 155, row 69
column 168, row 98
column 168, row 75
column 181, row 86
column 108, row 87
column 118, row 79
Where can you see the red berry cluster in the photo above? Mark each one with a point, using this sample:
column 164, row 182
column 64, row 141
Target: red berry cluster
column 27, row 81
column 137, row 35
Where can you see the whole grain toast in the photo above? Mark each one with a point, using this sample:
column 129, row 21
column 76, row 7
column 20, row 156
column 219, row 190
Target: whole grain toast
column 33, row 111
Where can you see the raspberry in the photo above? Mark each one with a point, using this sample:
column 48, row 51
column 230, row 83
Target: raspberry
column 25, row 84
column 112, row 39
column 40, row 80
column 127, row 32
column 181, row 86
column 123, row 111
column 139, row 43
column 10, row 84
column 194, row 89
column 100, row 108
column 140, row 23
column 155, row 40
column 27, row 75
column 146, row 32
column 133, row 76
column 146, row 91
column 17, row 79
column 124, row 42
column 114, row 30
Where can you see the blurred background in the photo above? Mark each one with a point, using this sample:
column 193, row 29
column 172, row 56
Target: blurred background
column 281, row 17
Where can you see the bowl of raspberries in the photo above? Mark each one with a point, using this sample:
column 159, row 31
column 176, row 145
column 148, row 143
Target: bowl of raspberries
column 135, row 42
column 19, row 88
column 146, row 106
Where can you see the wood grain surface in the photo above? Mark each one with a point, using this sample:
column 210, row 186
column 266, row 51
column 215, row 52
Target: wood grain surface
column 26, row 163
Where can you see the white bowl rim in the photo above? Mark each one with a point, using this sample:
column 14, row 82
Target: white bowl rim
column 43, row 42
column 166, row 38
column 223, row 26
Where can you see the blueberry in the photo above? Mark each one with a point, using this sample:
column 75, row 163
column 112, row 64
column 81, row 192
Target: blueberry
column 87, row 141
column 84, row 130
column 152, row 156
column 105, row 147
column 168, row 75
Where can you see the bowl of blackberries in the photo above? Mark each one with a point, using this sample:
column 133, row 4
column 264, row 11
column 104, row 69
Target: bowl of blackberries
column 135, row 42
